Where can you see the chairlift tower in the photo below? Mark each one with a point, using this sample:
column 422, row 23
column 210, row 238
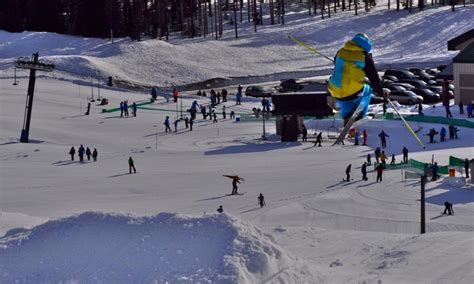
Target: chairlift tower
column 33, row 65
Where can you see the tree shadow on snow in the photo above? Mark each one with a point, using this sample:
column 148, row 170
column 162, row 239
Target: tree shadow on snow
column 252, row 148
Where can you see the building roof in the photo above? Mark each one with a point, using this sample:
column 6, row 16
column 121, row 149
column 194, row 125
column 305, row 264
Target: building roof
column 466, row 55
column 453, row 43
column 447, row 73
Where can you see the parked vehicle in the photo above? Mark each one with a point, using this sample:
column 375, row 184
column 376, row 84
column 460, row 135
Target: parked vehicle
column 419, row 84
column 258, row 91
column 428, row 95
column 421, row 73
column 391, row 78
column 440, row 83
column 400, row 74
column 406, row 97
column 290, row 85
column 393, row 87
column 404, row 85
column 439, row 90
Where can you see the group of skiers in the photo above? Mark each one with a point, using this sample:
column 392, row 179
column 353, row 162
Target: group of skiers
column 124, row 109
column 83, row 151
column 453, row 133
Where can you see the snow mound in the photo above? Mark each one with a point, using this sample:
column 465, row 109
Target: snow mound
column 101, row 247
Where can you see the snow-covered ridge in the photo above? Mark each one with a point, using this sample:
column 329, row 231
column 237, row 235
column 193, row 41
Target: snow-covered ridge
column 399, row 38
column 113, row 248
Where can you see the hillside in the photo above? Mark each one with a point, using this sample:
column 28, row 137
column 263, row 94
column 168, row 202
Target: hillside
column 399, row 38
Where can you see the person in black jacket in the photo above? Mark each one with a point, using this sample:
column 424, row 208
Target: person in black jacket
column 348, row 172
column 72, row 152
column 88, row 153
column 364, row 172
column 261, row 200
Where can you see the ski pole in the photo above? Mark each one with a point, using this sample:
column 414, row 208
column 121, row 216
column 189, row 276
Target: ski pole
column 407, row 126
column 310, row 48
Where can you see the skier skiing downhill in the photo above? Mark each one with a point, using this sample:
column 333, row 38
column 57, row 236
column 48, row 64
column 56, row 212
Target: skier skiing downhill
column 352, row 64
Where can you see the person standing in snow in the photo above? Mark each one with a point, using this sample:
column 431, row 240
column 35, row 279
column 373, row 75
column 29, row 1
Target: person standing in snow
column 81, row 153
column 72, row 151
column 352, row 64
column 442, row 134
column 392, row 162
column 94, row 155
column 191, row 122
column 377, row 154
column 383, row 140
column 224, row 95
column 125, row 108
column 420, row 108
column 121, row 109
column 167, row 124
column 175, row 95
column 134, row 109
column 176, row 124
column 223, row 112
column 432, row 134
column 203, row 112
column 369, row 159
column 211, row 111
column 131, row 165
column 364, row 171
column 220, row 209
column 261, row 200
column 405, row 155
column 232, row 114
column 214, row 116
column 348, row 173
column 364, row 137
column 379, row 170
column 186, row 122
column 356, row 138
column 304, row 133
column 238, row 96
column 469, row 110
column 88, row 153
column 448, row 111
column 383, row 157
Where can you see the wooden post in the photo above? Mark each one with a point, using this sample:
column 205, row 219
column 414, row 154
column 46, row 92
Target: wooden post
column 422, row 207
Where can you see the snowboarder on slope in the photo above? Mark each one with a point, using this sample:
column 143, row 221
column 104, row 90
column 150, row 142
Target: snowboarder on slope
column 131, row 165
column 352, row 64
column 235, row 180
column 348, row 173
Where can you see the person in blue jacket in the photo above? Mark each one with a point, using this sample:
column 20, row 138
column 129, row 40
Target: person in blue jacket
column 442, row 134
column 167, row 124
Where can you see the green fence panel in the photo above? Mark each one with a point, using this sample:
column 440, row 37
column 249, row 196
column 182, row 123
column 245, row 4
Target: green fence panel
column 456, row 162
column 433, row 119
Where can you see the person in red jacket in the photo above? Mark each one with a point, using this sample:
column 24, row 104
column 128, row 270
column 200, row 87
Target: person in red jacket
column 364, row 137
column 175, row 95
column 379, row 172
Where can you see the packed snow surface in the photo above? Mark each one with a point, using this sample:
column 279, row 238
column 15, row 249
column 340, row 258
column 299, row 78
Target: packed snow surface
column 167, row 248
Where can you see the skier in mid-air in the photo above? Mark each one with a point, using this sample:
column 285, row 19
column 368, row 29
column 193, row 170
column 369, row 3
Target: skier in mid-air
column 352, row 64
